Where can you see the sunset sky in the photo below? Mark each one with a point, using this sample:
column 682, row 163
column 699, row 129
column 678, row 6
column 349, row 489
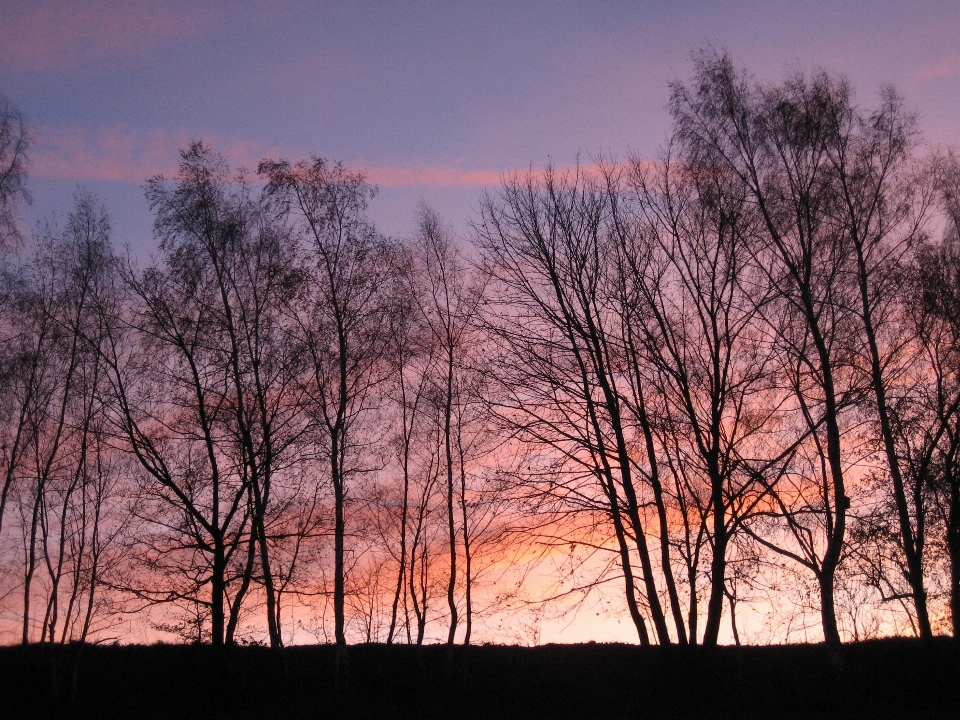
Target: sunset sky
column 434, row 99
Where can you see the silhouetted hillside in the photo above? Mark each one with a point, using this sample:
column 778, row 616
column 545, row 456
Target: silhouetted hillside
column 887, row 679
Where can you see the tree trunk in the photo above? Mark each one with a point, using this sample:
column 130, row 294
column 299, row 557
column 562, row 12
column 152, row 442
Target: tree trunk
column 911, row 542
column 217, row 593
column 466, row 548
column 451, row 527
column 339, row 592
column 828, row 613
column 953, row 542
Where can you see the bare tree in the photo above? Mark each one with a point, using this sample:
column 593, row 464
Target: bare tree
column 776, row 141
column 692, row 302
column 933, row 456
column 342, row 322
column 448, row 305
column 62, row 469
column 546, row 247
column 235, row 243
column 411, row 354
column 14, row 145
column 883, row 207
column 180, row 362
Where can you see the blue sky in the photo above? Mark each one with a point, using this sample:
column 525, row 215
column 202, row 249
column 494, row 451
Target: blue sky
column 434, row 99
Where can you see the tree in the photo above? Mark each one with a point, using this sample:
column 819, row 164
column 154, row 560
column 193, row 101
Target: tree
column 448, row 305
column 341, row 323
column 61, row 470
column 559, row 375
column 207, row 392
column 14, row 145
column 883, row 206
column 411, row 356
column 702, row 368
column 934, row 463
column 777, row 141
column 235, row 244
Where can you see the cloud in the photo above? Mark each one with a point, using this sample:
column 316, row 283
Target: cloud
column 116, row 153
column 432, row 177
column 67, row 36
column 127, row 154
column 945, row 67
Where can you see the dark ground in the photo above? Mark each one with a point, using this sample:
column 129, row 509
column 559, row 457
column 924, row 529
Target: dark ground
column 882, row 679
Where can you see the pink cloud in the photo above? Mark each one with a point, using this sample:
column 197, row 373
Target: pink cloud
column 432, row 177
column 107, row 154
column 71, row 35
column 945, row 67
column 126, row 154
column 450, row 176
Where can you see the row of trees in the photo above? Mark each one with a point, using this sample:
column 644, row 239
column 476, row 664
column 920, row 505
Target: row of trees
column 725, row 381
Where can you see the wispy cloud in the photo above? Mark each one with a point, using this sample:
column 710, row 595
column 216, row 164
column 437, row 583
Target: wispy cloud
column 73, row 35
column 116, row 153
column 128, row 154
column 945, row 67
column 433, row 177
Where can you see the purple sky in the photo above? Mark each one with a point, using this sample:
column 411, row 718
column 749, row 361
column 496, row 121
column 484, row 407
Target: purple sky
column 434, row 99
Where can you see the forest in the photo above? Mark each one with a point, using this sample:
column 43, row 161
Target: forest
column 714, row 393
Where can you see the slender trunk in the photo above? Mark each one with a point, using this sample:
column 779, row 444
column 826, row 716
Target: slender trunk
column 218, row 592
column 733, row 618
column 612, row 404
column 953, row 541
column 828, row 614
column 718, row 569
column 633, row 512
column 31, row 561
column 451, row 526
column 654, row 477
column 94, row 568
column 405, row 462
column 607, row 483
column 600, row 353
column 468, row 579
column 79, row 551
column 665, row 560
column 273, row 624
column 694, row 613
column 337, row 454
column 605, row 475
column 339, row 593
column 718, row 508
column 419, row 607
column 422, row 614
column 56, row 573
column 835, row 499
column 628, row 580
column 417, row 612
column 402, row 570
column 836, row 534
column 910, row 541
column 234, row 618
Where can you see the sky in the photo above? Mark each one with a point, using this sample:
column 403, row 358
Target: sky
column 434, row 100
